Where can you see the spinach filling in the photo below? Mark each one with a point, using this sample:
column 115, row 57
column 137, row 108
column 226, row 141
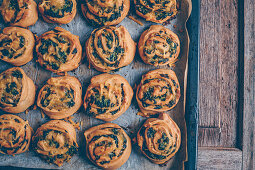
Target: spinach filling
column 112, row 56
column 102, row 102
column 10, row 52
column 72, row 149
column 15, row 140
column 148, row 95
column 99, row 21
column 60, row 55
column 66, row 102
column 116, row 131
column 55, row 12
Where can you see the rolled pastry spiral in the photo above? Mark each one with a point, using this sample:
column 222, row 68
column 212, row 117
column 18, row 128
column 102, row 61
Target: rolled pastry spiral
column 58, row 50
column 110, row 48
column 16, row 45
column 159, row 138
column 107, row 145
column 159, row 46
column 108, row 96
column 21, row 13
column 157, row 11
column 17, row 90
column 158, row 91
column 60, row 97
column 55, row 142
column 102, row 13
column 57, row 11
column 15, row 134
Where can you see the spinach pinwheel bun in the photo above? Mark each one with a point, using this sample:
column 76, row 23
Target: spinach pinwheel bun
column 110, row 48
column 17, row 91
column 104, row 13
column 16, row 45
column 159, row 138
column 107, row 145
column 158, row 11
column 108, row 96
column 159, row 46
column 15, row 134
column 58, row 50
column 21, row 13
column 55, row 142
column 57, row 11
column 158, row 91
column 60, row 97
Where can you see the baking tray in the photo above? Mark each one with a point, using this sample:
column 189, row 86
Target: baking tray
column 32, row 158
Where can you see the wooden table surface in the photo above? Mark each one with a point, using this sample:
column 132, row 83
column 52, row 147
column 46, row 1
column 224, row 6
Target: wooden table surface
column 227, row 79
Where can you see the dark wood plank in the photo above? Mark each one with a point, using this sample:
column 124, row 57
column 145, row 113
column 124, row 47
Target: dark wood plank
column 221, row 158
column 218, row 73
column 249, row 83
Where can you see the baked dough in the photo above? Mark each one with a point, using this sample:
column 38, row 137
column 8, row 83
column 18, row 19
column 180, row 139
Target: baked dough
column 158, row 91
column 60, row 97
column 21, row 13
column 159, row 138
column 15, row 134
column 57, row 11
column 107, row 145
column 108, row 96
column 58, row 50
column 17, row 91
column 157, row 11
column 159, row 46
column 110, row 48
column 55, row 142
column 16, row 45
column 102, row 13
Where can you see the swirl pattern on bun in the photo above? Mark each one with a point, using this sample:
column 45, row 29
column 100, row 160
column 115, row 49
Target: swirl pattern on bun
column 16, row 45
column 108, row 96
column 58, row 11
column 60, row 97
column 102, row 13
column 159, row 46
column 17, row 91
column 55, row 142
column 107, row 145
column 15, row 134
column 158, row 91
column 159, row 138
column 58, row 50
column 110, row 48
column 21, row 13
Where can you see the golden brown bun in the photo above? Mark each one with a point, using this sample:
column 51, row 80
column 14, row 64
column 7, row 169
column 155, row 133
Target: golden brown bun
column 158, row 91
column 103, row 13
column 159, row 138
column 55, row 142
column 108, row 96
column 103, row 149
column 17, row 90
column 110, row 48
column 159, row 46
column 58, row 50
column 15, row 134
column 156, row 11
column 60, row 97
column 21, row 13
column 63, row 12
column 16, row 45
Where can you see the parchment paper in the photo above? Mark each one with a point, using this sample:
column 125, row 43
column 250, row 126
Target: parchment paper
column 133, row 73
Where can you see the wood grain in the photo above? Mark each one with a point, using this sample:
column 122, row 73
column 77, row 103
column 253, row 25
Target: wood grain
column 219, row 158
column 249, row 83
column 218, row 73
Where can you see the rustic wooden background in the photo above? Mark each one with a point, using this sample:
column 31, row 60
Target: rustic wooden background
column 227, row 78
